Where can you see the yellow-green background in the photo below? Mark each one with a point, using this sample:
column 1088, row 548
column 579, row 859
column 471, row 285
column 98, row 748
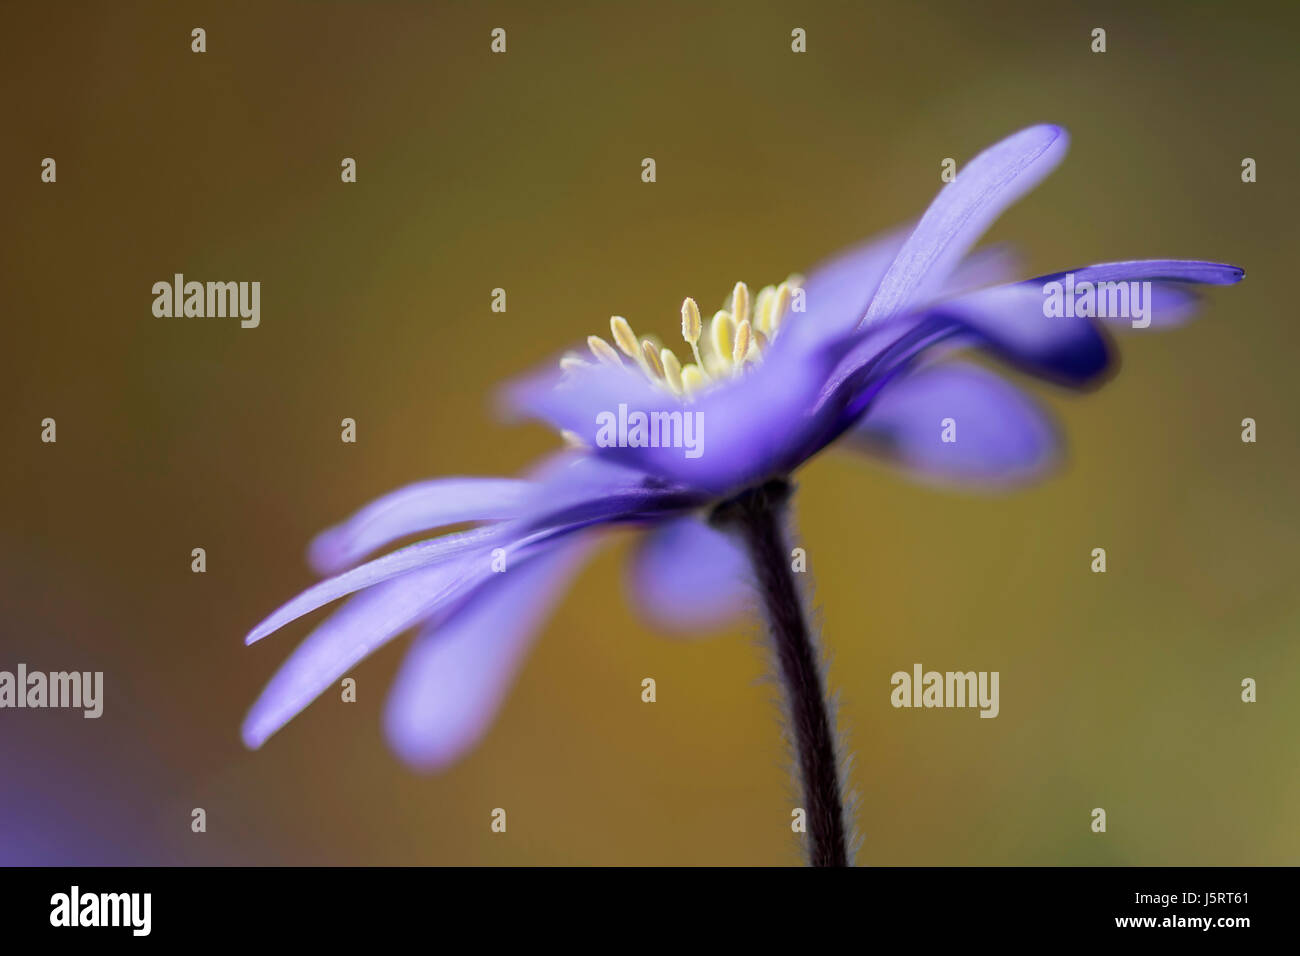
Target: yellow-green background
column 523, row 171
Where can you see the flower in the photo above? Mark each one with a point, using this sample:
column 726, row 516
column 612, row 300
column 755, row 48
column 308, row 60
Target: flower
column 861, row 351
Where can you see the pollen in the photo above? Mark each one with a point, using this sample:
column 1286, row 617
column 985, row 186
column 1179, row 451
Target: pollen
column 737, row 337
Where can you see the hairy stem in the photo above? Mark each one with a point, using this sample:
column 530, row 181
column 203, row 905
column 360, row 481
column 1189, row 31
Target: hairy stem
column 757, row 517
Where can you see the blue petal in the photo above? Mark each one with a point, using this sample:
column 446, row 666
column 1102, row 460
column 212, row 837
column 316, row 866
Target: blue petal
column 1071, row 349
column 686, row 576
column 361, row 626
column 413, row 557
column 413, row 509
column 961, row 213
column 1010, row 319
column 1174, row 299
column 1002, row 436
column 749, row 426
column 457, row 673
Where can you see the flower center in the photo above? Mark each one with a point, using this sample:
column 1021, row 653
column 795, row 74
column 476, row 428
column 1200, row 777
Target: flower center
column 737, row 337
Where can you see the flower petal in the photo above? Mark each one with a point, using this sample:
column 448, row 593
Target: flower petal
column 838, row 291
column 1010, row 319
column 410, row 510
column 356, row 630
column 1014, row 319
column 1001, row 434
column 961, row 213
column 1173, row 296
column 742, row 428
column 402, row 561
column 686, row 576
column 457, row 672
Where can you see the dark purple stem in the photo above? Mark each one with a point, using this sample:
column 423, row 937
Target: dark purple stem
column 757, row 516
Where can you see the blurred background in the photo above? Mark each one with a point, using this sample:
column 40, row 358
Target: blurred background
column 522, row 171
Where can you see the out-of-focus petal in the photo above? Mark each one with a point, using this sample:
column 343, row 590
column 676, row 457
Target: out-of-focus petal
column 573, row 493
column 356, row 630
column 1173, row 291
column 1197, row 271
column 837, row 292
column 1056, row 343
column 413, row 509
column 1002, row 436
column 961, row 213
column 686, row 576
column 458, row 671
column 402, row 561
column 580, row 488
column 738, row 431
column 1010, row 319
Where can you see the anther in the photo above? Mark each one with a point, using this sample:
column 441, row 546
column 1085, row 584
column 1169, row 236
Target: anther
column 693, row 380
column 624, row 337
column 740, row 302
column 672, row 370
column 651, row 355
column 603, row 351
column 721, row 334
column 740, row 350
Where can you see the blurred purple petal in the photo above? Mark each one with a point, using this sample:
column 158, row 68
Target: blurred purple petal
column 410, row 510
column 961, row 213
column 410, row 558
column 837, row 292
column 748, row 426
column 1010, row 319
column 361, row 626
column 458, row 671
column 1002, row 435
column 581, row 489
column 685, row 575
column 1173, row 296
column 1197, row 271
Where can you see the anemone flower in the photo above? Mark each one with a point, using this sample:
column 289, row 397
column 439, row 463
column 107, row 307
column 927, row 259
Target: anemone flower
column 700, row 456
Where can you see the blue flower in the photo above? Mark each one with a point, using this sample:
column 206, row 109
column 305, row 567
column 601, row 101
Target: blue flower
column 861, row 351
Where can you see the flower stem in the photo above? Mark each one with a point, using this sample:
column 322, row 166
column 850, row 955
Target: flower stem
column 757, row 516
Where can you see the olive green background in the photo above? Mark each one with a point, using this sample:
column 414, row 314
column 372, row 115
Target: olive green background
column 523, row 171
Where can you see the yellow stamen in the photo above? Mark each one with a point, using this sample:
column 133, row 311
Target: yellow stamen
column 738, row 335
column 763, row 308
column 690, row 320
column 651, row 355
column 691, row 327
column 740, row 302
column 721, row 334
column 603, row 351
column 740, row 350
column 672, row 370
column 624, row 337
column 572, row 362
column 780, row 302
column 693, row 380
column 715, row 366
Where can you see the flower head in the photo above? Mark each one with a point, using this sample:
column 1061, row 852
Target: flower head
column 860, row 350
